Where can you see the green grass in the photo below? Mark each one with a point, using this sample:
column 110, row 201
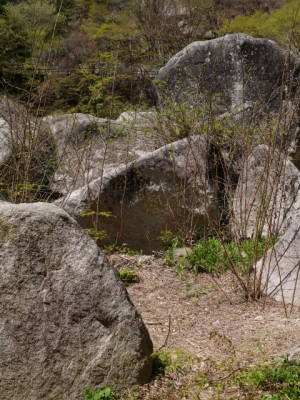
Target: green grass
column 128, row 276
column 276, row 381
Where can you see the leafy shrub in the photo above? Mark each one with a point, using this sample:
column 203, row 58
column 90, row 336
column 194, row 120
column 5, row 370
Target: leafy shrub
column 128, row 276
column 214, row 256
column 106, row 393
column 96, row 234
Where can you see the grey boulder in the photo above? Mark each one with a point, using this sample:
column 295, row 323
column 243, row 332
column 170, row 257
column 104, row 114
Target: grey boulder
column 265, row 200
column 167, row 189
column 228, row 72
column 5, row 141
column 279, row 271
column 66, row 322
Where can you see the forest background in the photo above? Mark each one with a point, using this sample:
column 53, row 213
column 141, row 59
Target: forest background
column 100, row 56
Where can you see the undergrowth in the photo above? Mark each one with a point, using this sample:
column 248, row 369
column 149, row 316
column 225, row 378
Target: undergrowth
column 128, row 276
column 274, row 381
column 180, row 375
column 215, row 256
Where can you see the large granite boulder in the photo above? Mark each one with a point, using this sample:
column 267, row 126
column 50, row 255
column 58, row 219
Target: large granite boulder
column 173, row 188
column 265, row 200
column 231, row 71
column 66, row 322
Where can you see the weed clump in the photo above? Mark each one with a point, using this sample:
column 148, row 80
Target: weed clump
column 128, row 276
column 215, row 256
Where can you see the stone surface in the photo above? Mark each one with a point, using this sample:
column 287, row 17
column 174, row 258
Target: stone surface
column 265, row 200
column 66, row 321
column 279, row 270
column 293, row 354
column 171, row 188
column 230, row 71
column 74, row 129
column 133, row 118
column 5, row 146
column 88, row 146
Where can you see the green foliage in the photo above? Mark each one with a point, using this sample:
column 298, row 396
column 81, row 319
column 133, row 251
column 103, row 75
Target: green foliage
column 275, row 381
column 215, row 256
column 128, row 276
column 113, row 248
column 96, row 234
column 28, row 32
column 170, row 362
column 106, row 393
column 89, row 212
column 175, row 244
column 281, row 24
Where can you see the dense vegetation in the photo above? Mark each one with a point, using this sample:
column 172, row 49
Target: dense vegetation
column 99, row 56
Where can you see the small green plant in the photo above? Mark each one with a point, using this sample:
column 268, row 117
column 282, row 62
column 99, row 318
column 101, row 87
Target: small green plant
column 106, row 393
column 207, row 256
column 169, row 256
column 113, row 249
column 275, row 381
column 96, row 234
column 128, row 276
column 170, row 361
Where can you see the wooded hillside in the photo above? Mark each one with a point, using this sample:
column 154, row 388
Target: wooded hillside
column 99, row 56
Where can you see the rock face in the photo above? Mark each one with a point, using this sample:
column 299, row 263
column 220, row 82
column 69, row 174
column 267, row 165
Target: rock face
column 267, row 202
column 5, row 148
column 228, row 72
column 265, row 199
column 66, row 320
column 87, row 145
column 279, row 270
column 76, row 128
column 171, row 188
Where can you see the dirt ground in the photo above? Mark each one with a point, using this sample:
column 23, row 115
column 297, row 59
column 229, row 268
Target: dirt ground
column 209, row 319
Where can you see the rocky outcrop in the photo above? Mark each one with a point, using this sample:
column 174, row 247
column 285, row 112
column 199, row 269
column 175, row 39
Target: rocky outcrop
column 75, row 129
column 88, row 146
column 133, row 118
column 66, row 322
column 171, row 188
column 231, row 71
column 279, row 271
column 5, row 148
column 265, row 200
column 267, row 203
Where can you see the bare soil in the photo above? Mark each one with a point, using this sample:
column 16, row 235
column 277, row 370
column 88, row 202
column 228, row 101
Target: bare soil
column 212, row 324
